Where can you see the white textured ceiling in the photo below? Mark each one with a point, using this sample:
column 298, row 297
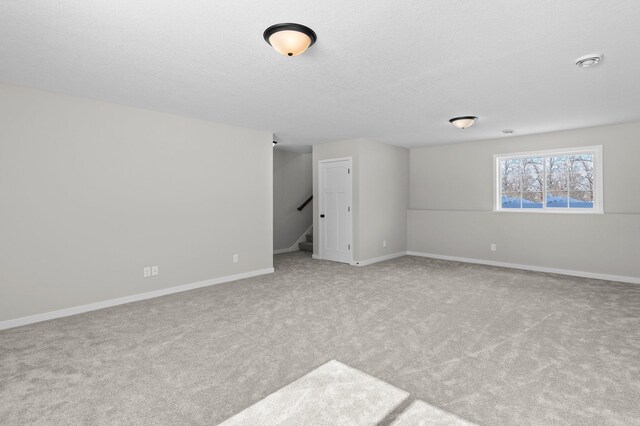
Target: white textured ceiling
column 392, row 71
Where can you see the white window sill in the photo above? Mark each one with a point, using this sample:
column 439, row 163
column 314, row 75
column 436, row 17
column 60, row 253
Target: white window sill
column 549, row 211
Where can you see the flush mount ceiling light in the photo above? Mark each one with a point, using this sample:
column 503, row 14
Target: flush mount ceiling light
column 290, row 39
column 463, row 122
column 587, row 61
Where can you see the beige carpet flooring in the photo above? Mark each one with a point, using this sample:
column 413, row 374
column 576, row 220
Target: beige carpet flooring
column 491, row 345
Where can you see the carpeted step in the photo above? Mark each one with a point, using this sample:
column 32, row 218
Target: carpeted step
column 306, row 246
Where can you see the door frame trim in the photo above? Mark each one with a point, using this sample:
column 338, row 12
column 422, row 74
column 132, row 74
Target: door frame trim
column 321, row 206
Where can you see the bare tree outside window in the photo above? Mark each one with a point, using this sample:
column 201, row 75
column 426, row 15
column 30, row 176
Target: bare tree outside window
column 565, row 181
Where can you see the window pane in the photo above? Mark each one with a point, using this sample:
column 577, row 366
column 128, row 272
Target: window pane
column 558, row 165
column 511, row 167
column 581, row 200
column 557, row 199
column 581, row 163
column 532, row 200
column 532, row 183
column 533, row 165
column 580, row 182
column 511, row 183
column 511, row 200
column 557, row 182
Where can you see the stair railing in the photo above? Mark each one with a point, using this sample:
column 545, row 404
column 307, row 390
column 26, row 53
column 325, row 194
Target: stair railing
column 303, row 205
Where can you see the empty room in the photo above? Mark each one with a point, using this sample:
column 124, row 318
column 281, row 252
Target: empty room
column 320, row 213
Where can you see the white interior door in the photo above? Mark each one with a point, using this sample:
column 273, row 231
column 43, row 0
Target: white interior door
column 335, row 210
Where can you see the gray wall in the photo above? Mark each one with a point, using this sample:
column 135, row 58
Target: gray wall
column 291, row 187
column 380, row 195
column 92, row 192
column 384, row 199
column 451, row 196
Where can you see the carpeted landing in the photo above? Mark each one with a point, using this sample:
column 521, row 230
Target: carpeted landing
column 489, row 345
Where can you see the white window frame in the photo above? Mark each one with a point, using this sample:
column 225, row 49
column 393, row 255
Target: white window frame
column 598, row 205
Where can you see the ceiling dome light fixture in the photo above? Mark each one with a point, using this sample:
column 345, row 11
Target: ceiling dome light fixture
column 463, row 122
column 589, row 61
column 290, row 39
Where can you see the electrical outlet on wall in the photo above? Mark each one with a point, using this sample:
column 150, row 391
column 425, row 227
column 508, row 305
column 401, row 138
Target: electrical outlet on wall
column 154, row 270
column 235, row 258
column 493, row 247
column 146, row 272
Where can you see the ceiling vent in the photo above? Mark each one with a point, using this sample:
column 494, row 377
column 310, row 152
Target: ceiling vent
column 589, row 61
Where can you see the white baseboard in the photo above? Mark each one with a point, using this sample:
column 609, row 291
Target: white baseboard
column 287, row 250
column 17, row 322
column 294, row 247
column 582, row 274
column 378, row 259
column 316, row 256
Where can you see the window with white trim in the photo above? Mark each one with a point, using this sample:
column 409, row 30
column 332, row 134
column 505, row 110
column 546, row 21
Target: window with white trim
column 550, row 181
